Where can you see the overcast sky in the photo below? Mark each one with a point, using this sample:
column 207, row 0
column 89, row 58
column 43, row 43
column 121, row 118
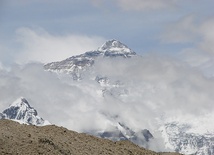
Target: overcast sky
column 51, row 30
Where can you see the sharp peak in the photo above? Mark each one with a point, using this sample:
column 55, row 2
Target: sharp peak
column 113, row 40
column 113, row 43
column 19, row 101
column 115, row 46
column 23, row 99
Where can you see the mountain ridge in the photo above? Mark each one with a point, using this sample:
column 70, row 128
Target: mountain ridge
column 55, row 140
column 76, row 65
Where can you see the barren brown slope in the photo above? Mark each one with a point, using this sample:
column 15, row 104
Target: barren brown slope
column 51, row 140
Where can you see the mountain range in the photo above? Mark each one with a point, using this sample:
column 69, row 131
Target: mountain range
column 176, row 135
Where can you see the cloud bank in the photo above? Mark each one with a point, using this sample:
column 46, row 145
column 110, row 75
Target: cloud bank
column 188, row 30
column 195, row 39
column 153, row 86
column 37, row 45
column 41, row 46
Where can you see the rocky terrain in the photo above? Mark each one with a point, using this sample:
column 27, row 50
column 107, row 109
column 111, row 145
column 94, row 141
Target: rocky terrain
column 19, row 139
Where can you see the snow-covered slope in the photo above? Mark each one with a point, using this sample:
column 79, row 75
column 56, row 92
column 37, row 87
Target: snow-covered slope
column 76, row 65
column 114, row 48
column 178, row 138
column 21, row 111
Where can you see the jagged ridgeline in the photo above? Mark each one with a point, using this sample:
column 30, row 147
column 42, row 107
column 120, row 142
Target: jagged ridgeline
column 21, row 111
column 75, row 65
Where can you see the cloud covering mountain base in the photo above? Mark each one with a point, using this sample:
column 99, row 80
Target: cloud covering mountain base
column 153, row 90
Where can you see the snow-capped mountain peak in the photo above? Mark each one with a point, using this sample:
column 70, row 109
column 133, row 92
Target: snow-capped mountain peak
column 111, row 44
column 114, row 47
column 21, row 102
column 78, row 64
column 21, row 111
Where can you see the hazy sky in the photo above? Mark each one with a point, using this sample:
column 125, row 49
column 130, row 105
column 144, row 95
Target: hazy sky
column 174, row 37
column 50, row 30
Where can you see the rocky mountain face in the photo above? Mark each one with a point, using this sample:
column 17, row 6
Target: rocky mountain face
column 121, row 132
column 22, row 112
column 176, row 136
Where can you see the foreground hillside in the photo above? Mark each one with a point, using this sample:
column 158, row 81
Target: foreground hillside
column 27, row 139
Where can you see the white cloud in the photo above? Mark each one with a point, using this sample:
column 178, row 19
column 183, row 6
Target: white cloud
column 58, row 101
column 199, row 38
column 187, row 30
column 155, row 85
column 162, row 81
column 39, row 45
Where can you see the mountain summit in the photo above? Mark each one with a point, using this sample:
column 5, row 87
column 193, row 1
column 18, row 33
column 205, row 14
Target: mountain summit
column 75, row 65
column 115, row 48
column 21, row 111
column 112, row 44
